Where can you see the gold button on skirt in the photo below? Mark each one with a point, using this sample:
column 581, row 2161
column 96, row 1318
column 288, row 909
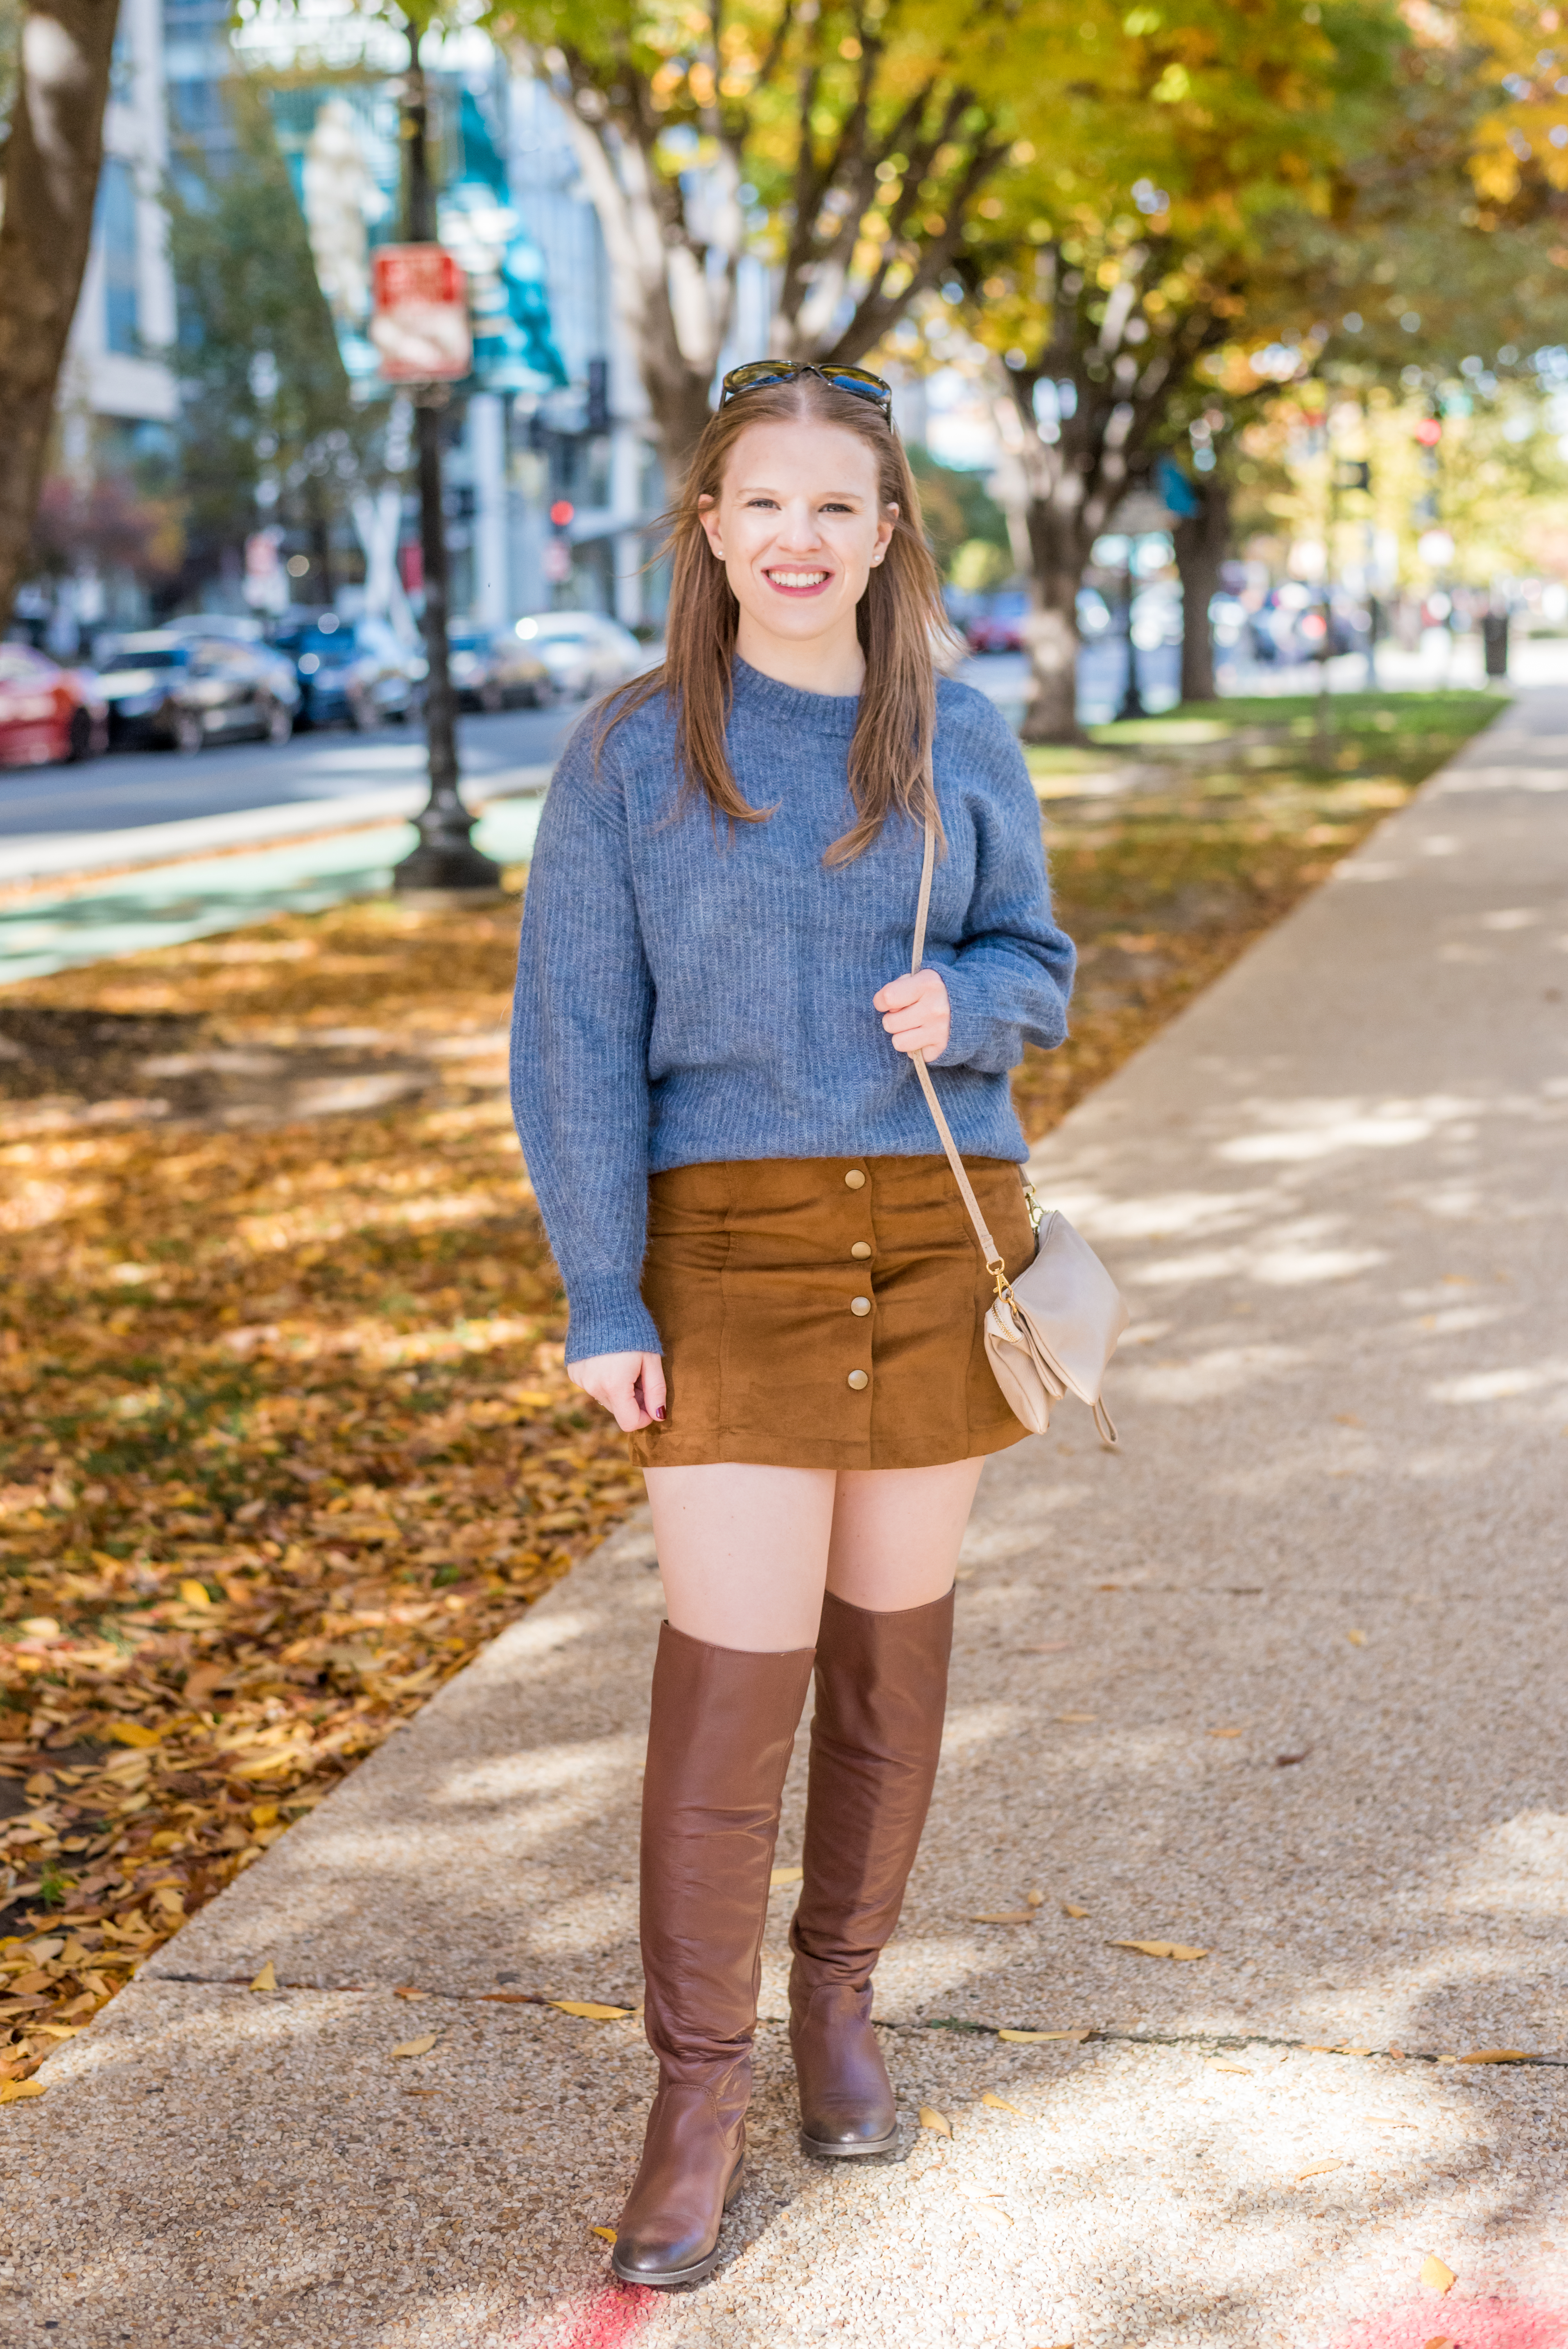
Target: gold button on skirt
column 757, row 1277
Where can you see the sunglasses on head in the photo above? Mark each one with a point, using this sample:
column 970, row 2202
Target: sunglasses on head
column 759, row 373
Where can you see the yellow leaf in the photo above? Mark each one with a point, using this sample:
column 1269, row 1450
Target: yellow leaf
column 1497, row 2055
column 420, row 2046
column 1028, row 2038
column 131, row 1732
column 1440, row 2340
column 1224, row 1733
column 1356, row 1638
column 930, row 2119
column 605, row 2234
column 784, row 1876
column 195, row 1594
column 1071, row 1908
column 591, row 2010
column 1004, row 1917
column 13, row 2092
column 1216, row 2065
column 267, row 1979
column 1180, row 1950
column 997, row 2104
column 1435, row 2275
column 1318, row 2169
column 58, row 2030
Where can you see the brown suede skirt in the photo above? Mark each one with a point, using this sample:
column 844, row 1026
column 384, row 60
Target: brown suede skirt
column 827, row 1312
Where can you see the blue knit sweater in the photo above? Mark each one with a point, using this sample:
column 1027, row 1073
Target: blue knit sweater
column 688, row 991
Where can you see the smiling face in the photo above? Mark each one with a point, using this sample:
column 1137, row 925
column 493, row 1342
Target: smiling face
column 799, row 530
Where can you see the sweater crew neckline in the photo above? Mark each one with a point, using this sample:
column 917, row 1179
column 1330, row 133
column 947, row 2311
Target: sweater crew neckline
column 765, row 698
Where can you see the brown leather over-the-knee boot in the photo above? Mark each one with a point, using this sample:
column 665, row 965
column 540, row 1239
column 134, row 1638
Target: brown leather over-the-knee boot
column 882, row 1692
column 719, row 1738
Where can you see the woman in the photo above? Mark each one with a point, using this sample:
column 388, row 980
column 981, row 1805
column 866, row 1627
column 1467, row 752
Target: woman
column 773, row 1284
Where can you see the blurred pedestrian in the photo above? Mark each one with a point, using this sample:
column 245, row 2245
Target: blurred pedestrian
column 772, row 1281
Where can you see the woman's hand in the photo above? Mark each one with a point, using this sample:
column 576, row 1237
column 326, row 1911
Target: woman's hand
column 915, row 1012
column 631, row 1386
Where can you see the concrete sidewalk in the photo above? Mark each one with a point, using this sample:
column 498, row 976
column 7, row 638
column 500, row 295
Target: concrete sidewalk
column 1281, row 1684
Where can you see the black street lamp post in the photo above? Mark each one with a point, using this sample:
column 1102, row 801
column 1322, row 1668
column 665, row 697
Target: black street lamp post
column 1131, row 700
column 446, row 868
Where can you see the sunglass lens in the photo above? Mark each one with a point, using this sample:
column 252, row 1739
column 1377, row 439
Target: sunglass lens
column 752, row 378
column 862, row 382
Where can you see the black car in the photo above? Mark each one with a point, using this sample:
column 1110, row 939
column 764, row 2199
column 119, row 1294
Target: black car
column 350, row 671
column 182, row 691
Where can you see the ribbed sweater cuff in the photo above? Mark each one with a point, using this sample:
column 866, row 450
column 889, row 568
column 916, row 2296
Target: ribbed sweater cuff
column 972, row 1029
column 609, row 1316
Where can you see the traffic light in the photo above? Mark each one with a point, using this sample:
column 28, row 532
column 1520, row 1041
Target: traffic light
column 1429, row 431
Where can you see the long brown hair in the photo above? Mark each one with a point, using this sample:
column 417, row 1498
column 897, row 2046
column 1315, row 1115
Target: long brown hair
column 901, row 622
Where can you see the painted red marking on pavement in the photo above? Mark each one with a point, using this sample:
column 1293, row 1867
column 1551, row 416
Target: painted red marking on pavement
column 620, row 2310
column 1467, row 2323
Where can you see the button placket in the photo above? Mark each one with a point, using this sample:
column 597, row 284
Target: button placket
column 856, row 1180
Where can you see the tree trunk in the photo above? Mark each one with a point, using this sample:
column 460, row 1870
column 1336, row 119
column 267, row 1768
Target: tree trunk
column 52, row 161
column 1202, row 541
column 1050, row 631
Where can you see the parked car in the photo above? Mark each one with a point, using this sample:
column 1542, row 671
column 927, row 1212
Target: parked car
column 492, row 672
column 353, row 672
column 46, row 712
column 185, row 691
column 997, row 627
column 584, row 652
column 230, row 628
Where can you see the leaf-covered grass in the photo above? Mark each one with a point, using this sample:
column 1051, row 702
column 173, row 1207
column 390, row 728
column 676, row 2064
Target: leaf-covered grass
column 285, row 1434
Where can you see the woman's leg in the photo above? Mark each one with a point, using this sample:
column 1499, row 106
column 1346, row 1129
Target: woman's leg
column 744, row 1553
column 882, row 1691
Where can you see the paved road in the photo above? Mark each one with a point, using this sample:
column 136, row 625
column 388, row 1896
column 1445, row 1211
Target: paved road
column 1276, row 1685
column 144, row 787
column 150, row 787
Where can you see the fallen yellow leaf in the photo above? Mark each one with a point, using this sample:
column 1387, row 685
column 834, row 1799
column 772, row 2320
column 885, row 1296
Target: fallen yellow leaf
column 1004, row 1917
column 1216, row 2065
column 605, row 2234
column 131, row 1732
column 997, row 2104
column 1071, row 1908
column 267, row 1979
column 1356, row 1638
column 1435, row 2275
column 1318, row 2168
column 420, row 2046
column 1497, row 2055
column 1223, row 1733
column 930, row 2119
column 784, row 1876
column 591, row 2010
column 1028, row 2038
column 1178, row 1950
column 1440, row 2340
column 14, row 2092
column 195, row 1594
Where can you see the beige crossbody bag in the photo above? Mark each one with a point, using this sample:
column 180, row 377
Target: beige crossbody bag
column 1050, row 1332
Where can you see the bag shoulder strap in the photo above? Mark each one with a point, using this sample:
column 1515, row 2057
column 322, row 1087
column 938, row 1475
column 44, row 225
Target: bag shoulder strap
column 995, row 1264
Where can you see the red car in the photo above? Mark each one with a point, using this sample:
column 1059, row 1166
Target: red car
column 46, row 712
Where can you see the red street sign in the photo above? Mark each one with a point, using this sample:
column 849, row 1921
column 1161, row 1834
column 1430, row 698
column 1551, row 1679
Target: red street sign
column 420, row 321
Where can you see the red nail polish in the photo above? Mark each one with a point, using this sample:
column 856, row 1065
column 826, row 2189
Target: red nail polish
column 660, row 1412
